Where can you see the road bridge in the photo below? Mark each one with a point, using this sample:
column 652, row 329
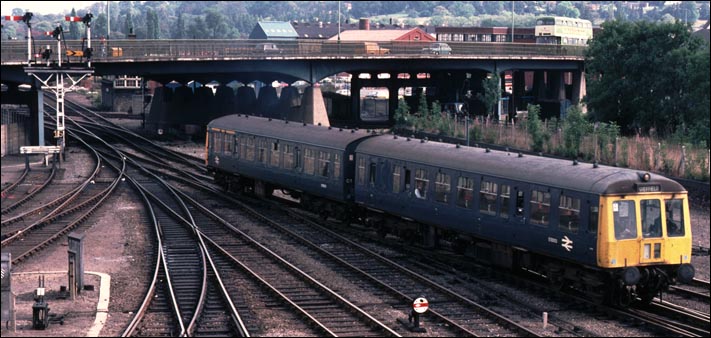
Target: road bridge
column 556, row 71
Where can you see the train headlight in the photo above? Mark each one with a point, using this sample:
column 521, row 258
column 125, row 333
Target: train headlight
column 645, row 177
column 630, row 276
column 685, row 273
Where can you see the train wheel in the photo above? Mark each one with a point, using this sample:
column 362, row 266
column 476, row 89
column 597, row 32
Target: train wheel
column 459, row 246
column 382, row 231
column 624, row 297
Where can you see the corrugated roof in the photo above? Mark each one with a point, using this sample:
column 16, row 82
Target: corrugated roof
column 278, row 29
column 371, row 35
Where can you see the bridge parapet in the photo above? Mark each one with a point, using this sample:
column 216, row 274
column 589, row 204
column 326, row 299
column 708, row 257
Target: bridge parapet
column 132, row 50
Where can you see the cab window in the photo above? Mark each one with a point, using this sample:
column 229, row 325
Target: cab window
column 675, row 217
column 623, row 214
column 651, row 213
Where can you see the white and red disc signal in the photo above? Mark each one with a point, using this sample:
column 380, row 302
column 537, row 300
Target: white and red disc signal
column 420, row 305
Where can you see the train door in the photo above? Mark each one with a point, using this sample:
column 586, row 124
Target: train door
column 519, row 199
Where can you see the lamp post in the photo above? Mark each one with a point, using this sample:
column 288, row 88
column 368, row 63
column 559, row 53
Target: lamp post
column 339, row 21
column 512, row 20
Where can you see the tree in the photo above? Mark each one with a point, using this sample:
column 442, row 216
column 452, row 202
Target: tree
column 179, row 32
column 128, row 21
column 461, row 8
column 574, row 128
column 566, row 8
column 152, row 26
column 638, row 75
column 99, row 25
column 199, row 29
column 74, row 33
column 704, row 11
column 492, row 92
column 535, row 129
column 215, row 22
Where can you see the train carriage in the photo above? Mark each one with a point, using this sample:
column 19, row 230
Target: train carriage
column 607, row 231
column 262, row 155
column 556, row 217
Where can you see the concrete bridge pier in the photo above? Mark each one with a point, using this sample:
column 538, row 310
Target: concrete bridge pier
column 579, row 88
column 246, row 100
column 267, row 102
column 289, row 104
column 313, row 109
column 519, row 89
column 224, row 101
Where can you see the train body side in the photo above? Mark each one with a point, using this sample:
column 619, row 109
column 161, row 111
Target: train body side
column 552, row 207
column 300, row 157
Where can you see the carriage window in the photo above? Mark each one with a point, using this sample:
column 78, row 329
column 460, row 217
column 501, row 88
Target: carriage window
column 262, row 146
column 218, row 142
column 442, row 188
column 323, row 162
column 361, row 171
column 421, row 182
column 309, row 158
column 248, row 148
column 465, row 192
column 336, row 165
column 487, row 197
column 592, row 222
column 569, row 213
column 623, row 213
column 396, row 179
column 651, row 212
column 229, row 141
column 505, row 198
column 371, row 179
column 288, row 157
column 540, row 207
column 274, row 159
column 675, row 217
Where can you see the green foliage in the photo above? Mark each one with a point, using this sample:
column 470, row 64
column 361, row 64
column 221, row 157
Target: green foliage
column 74, row 32
column 697, row 165
column 491, row 92
column 575, row 127
column 535, row 128
column 422, row 107
column 152, row 25
column 402, row 114
column 647, row 76
column 606, row 134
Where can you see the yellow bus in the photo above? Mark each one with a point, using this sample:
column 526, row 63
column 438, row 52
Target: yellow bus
column 559, row 30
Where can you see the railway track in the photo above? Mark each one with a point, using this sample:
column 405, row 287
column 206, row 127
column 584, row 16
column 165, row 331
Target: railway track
column 225, row 269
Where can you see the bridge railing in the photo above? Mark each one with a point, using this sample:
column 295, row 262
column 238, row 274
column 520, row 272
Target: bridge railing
column 164, row 50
